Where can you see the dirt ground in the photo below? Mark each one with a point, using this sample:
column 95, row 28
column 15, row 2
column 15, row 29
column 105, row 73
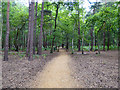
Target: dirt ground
column 96, row 71
column 62, row 70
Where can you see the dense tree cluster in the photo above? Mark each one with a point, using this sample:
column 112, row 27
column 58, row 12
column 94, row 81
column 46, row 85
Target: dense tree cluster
column 50, row 25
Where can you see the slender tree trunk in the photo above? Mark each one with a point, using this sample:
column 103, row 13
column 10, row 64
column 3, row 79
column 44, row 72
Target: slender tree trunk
column 104, row 32
column 91, row 34
column 43, row 39
column 98, row 39
column 41, row 28
column 119, row 30
column 104, row 38
column 16, row 41
column 31, row 31
column 46, row 43
column 55, row 28
column 62, row 45
column 9, row 43
column 67, row 44
column 34, row 43
column 104, row 41
column 108, row 40
column 95, row 41
column 82, row 43
column 98, row 43
column 78, row 31
column 72, row 47
column 7, row 34
column 89, row 46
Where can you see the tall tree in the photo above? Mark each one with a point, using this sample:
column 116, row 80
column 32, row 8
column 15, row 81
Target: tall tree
column 29, row 27
column 78, row 29
column 34, row 44
column 7, row 34
column 104, row 32
column 104, row 37
column 91, row 31
column 91, row 34
column 119, row 28
column 108, row 38
column 31, row 31
column 57, row 5
column 41, row 27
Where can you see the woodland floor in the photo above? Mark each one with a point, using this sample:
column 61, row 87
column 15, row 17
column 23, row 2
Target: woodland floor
column 62, row 70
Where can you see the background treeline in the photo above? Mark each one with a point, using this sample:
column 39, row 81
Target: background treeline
column 48, row 26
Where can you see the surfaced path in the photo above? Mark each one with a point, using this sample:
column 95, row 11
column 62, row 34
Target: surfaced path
column 56, row 73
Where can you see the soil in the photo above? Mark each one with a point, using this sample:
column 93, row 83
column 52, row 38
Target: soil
column 96, row 71
column 18, row 72
column 62, row 70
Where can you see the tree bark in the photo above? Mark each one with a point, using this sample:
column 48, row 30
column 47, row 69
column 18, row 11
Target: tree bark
column 55, row 28
column 108, row 40
column 43, row 38
column 98, row 38
column 31, row 31
column 82, row 43
column 119, row 29
column 62, row 45
column 7, row 34
column 16, row 41
column 67, row 44
column 91, row 34
column 40, row 36
column 104, row 38
column 34, row 43
column 78, row 31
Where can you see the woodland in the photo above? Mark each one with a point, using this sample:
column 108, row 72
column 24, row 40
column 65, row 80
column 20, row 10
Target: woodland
column 48, row 26
column 44, row 29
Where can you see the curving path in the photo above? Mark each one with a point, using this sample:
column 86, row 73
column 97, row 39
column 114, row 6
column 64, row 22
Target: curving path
column 56, row 74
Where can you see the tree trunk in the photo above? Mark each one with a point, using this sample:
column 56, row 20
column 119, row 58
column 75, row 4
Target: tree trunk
column 119, row 29
column 31, row 31
column 104, row 40
column 108, row 40
column 62, row 45
column 40, row 36
column 82, row 43
column 46, row 43
column 91, row 34
column 89, row 46
column 29, row 27
column 72, row 47
column 78, row 31
column 98, row 39
column 67, row 44
column 34, row 43
column 43, row 38
column 95, row 41
column 55, row 28
column 16, row 41
column 7, row 34
column 98, row 43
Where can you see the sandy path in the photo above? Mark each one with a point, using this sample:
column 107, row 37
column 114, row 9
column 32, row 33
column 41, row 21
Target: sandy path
column 56, row 74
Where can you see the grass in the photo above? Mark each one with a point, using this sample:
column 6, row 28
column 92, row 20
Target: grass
column 86, row 48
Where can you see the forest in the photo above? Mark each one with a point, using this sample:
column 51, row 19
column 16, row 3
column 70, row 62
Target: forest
column 43, row 30
column 59, row 24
